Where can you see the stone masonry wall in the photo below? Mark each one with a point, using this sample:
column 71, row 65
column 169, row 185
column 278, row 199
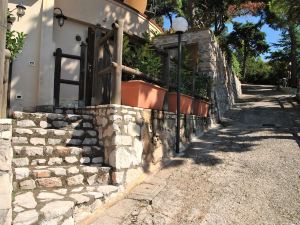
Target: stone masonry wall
column 226, row 87
column 56, row 150
column 136, row 139
column 6, row 155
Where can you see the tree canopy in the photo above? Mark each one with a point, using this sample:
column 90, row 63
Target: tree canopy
column 249, row 39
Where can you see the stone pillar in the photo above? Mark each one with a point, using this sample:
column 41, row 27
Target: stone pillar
column 3, row 24
column 46, row 64
column 6, row 155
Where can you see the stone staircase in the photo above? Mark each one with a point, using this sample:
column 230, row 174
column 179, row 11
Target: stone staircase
column 59, row 176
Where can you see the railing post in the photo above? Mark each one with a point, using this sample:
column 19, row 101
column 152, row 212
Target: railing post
column 193, row 89
column 81, row 101
column 167, row 67
column 117, row 58
column 57, row 74
column 5, row 84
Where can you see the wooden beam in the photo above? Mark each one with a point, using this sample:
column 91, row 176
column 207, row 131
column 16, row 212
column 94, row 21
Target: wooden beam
column 117, row 57
column 135, row 72
column 106, row 70
column 104, row 39
column 3, row 23
column 5, row 83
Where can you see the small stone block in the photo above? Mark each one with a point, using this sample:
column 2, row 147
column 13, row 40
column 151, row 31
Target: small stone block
column 50, row 182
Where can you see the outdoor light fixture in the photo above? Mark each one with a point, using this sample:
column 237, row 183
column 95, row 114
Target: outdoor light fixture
column 60, row 17
column 20, row 13
column 180, row 25
column 20, row 10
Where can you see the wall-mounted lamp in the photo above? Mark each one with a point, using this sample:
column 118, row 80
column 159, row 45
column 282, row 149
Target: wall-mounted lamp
column 60, row 17
column 20, row 13
column 20, row 10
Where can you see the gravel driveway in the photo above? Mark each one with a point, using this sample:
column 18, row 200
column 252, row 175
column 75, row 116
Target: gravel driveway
column 245, row 172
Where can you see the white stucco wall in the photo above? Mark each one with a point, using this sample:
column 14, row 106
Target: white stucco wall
column 25, row 76
column 36, row 82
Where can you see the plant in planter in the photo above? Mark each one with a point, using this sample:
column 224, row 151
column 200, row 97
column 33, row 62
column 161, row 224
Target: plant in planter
column 186, row 99
column 136, row 91
column 201, row 103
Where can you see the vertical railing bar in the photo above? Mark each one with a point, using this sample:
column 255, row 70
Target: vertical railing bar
column 82, row 73
column 167, row 79
column 57, row 75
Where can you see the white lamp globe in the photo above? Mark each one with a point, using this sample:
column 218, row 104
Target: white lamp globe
column 180, row 24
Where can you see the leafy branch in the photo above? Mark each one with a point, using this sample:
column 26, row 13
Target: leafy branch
column 15, row 42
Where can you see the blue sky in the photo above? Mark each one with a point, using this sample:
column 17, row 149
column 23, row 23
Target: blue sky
column 272, row 35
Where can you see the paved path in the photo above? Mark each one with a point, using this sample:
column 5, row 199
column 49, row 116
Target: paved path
column 247, row 172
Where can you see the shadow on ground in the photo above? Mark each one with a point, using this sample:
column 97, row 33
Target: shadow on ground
column 260, row 110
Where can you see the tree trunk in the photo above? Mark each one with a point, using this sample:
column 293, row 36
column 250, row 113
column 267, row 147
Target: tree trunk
column 171, row 20
column 293, row 55
column 245, row 56
column 190, row 11
column 3, row 22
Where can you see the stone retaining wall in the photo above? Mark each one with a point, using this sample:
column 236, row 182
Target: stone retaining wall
column 225, row 86
column 6, row 176
column 135, row 139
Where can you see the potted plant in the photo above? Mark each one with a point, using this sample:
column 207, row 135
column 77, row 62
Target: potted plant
column 10, row 19
column 139, row 5
column 138, row 92
column 186, row 103
column 201, row 107
column 201, row 102
column 186, row 99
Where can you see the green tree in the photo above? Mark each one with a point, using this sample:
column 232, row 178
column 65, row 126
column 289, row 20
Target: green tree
column 158, row 9
column 249, row 39
column 280, row 59
column 258, row 71
column 283, row 15
column 204, row 13
column 216, row 13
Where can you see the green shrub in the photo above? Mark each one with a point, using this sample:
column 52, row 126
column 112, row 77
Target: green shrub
column 15, row 42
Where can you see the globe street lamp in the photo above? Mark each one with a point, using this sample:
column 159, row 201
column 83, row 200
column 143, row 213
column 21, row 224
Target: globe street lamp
column 180, row 25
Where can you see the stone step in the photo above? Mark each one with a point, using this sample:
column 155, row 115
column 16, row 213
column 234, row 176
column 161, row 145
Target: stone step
column 60, row 206
column 60, row 115
column 45, row 177
column 52, row 120
column 54, row 133
column 57, row 155
column 53, row 141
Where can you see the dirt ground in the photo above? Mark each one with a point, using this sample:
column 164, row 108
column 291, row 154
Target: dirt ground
column 245, row 172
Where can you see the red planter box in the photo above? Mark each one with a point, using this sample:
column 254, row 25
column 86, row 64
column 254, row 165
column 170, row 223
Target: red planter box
column 141, row 94
column 185, row 103
column 201, row 108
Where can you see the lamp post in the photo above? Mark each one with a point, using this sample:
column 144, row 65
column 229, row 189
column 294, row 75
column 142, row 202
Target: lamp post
column 180, row 25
